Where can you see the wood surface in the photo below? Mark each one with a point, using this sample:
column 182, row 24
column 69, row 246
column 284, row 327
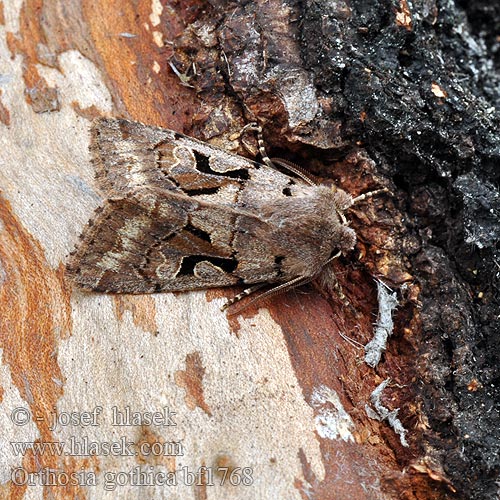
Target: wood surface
column 278, row 390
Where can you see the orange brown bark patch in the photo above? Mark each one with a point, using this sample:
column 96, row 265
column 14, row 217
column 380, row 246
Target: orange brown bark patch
column 8, row 490
column 150, row 441
column 119, row 41
column 61, row 482
column 129, row 62
column 4, row 112
column 31, row 38
column 41, row 97
column 192, row 381
column 89, row 112
column 143, row 310
column 35, row 313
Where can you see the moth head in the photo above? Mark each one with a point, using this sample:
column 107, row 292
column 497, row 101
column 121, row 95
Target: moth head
column 347, row 239
column 341, row 199
column 346, row 235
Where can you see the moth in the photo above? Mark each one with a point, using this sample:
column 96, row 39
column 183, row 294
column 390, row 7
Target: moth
column 180, row 214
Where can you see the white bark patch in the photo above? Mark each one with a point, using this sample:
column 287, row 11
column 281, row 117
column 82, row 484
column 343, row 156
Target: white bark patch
column 298, row 94
column 16, row 425
column 332, row 421
column 79, row 80
column 259, row 419
column 158, row 38
column 44, row 167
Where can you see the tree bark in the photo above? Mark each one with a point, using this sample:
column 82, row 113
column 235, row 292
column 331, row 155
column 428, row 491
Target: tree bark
column 392, row 94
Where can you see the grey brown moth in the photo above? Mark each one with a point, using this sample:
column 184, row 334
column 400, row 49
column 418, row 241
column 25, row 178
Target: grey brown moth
column 180, row 214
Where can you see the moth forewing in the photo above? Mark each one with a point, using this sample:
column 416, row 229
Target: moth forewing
column 182, row 215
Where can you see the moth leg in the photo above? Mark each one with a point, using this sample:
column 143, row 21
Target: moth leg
column 337, row 289
column 333, row 257
column 335, row 285
column 364, row 196
column 300, row 280
column 255, row 127
column 327, row 280
column 244, row 293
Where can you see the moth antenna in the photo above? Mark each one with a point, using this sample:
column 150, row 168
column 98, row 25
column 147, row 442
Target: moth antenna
column 300, row 280
column 297, row 170
column 244, row 293
column 292, row 167
column 364, row 196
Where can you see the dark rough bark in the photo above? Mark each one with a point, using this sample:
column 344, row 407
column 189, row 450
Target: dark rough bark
column 416, row 86
column 444, row 154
